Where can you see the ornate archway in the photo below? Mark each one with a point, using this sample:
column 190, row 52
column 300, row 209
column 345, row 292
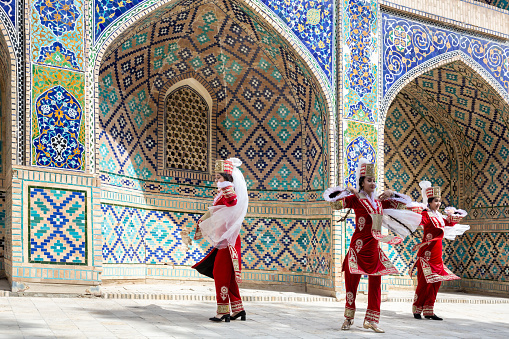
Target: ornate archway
column 448, row 113
column 271, row 113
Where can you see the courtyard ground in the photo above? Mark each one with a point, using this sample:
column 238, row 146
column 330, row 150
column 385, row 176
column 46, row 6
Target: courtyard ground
column 465, row 315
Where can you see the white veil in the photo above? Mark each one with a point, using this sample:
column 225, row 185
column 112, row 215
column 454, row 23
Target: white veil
column 223, row 226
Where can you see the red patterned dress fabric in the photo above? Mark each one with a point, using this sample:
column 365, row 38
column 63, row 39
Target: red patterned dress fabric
column 431, row 270
column 365, row 256
column 224, row 265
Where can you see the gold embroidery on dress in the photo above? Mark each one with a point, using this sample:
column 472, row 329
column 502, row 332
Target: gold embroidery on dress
column 237, row 306
column 361, row 222
column 223, row 309
column 349, row 297
column 349, row 313
column 358, row 245
column 224, row 292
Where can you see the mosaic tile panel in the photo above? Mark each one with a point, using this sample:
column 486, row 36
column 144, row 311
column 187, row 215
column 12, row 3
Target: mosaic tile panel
column 185, row 187
column 57, row 226
column 270, row 113
column 313, row 23
column 414, row 151
column 107, row 11
column 484, row 128
column 287, row 245
column 57, row 33
column 446, row 114
column 503, row 4
column 9, row 7
column 58, row 131
column 408, row 44
column 2, row 225
column 470, row 256
column 360, row 71
column 2, row 132
column 481, row 255
column 133, row 235
column 360, row 140
column 402, row 255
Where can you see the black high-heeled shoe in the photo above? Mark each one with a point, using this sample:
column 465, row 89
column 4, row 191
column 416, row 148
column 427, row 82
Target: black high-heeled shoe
column 241, row 314
column 433, row 317
column 226, row 318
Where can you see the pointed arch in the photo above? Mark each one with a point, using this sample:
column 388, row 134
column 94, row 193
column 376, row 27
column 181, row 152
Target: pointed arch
column 141, row 15
column 407, row 78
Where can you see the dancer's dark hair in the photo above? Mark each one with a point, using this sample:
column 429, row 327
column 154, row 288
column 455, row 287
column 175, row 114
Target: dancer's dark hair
column 430, row 200
column 226, row 176
column 361, row 182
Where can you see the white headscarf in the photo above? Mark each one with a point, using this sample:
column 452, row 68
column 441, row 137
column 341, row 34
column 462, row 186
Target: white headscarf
column 223, row 226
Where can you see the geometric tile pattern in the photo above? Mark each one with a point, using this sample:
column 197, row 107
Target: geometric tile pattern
column 2, row 224
column 482, row 255
column 11, row 13
column 402, row 255
column 504, row 4
column 256, row 79
column 2, row 127
column 484, row 131
column 57, row 226
column 134, row 235
column 445, row 115
column 295, row 245
column 414, row 151
column 311, row 21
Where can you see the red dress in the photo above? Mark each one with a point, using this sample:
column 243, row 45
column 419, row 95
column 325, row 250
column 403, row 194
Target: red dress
column 223, row 265
column 365, row 256
column 430, row 266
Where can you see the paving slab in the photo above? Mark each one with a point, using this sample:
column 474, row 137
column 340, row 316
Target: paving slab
column 139, row 311
column 138, row 318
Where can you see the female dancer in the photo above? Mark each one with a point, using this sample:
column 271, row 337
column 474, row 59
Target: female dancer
column 365, row 257
column 430, row 266
column 221, row 227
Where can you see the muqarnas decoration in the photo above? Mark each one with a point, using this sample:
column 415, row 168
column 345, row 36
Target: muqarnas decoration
column 59, row 120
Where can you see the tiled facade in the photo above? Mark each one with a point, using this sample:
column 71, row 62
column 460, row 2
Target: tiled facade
column 58, row 226
column 298, row 91
column 449, row 125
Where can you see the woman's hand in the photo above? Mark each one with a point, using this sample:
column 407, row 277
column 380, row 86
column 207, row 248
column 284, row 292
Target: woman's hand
column 352, row 189
column 386, row 195
column 198, row 235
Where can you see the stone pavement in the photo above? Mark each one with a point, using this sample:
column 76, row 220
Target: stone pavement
column 466, row 316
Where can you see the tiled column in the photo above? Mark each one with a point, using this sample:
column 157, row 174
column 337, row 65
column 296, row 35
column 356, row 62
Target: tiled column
column 359, row 50
column 56, row 226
